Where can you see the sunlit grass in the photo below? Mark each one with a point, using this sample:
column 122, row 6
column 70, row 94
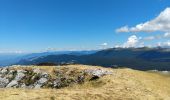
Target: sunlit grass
column 123, row 84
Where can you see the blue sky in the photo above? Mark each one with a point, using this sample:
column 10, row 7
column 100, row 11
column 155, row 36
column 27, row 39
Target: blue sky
column 35, row 25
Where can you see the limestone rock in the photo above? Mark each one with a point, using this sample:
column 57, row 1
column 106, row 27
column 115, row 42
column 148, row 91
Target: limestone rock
column 3, row 82
column 13, row 83
column 38, row 71
column 41, row 82
column 57, row 83
column 4, row 71
column 98, row 72
column 20, row 75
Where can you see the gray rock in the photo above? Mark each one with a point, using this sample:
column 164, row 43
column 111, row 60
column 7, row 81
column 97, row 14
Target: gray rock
column 3, row 82
column 21, row 71
column 97, row 72
column 23, row 85
column 4, row 71
column 13, row 83
column 19, row 76
column 80, row 79
column 38, row 71
column 40, row 82
column 57, row 83
column 45, row 75
column 11, row 71
column 37, row 86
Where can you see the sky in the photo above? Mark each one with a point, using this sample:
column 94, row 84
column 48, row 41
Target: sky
column 37, row 25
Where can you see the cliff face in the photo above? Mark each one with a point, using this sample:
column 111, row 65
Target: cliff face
column 82, row 82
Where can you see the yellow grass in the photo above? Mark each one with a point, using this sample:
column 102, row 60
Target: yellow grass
column 124, row 84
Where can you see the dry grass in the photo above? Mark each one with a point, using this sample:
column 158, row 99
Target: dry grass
column 124, row 84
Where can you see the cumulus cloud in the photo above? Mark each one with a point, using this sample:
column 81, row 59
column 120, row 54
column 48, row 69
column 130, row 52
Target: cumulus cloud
column 160, row 23
column 131, row 42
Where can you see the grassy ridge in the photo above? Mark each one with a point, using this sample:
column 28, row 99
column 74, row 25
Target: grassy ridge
column 122, row 84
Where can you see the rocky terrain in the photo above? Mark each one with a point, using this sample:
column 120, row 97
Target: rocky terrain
column 82, row 82
column 29, row 77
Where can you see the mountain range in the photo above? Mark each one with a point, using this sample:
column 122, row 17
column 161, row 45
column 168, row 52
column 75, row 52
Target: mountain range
column 7, row 59
column 137, row 58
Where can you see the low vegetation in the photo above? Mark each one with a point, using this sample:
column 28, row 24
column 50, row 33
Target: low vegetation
column 117, row 84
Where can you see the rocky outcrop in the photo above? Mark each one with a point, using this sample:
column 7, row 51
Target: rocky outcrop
column 3, row 82
column 28, row 77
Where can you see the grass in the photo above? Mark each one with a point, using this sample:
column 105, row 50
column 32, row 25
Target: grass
column 123, row 84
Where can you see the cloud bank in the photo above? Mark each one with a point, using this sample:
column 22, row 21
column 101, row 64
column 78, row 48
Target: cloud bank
column 160, row 23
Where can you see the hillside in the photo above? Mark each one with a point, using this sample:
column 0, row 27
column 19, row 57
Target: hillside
column 98, row 83
column 135, row 58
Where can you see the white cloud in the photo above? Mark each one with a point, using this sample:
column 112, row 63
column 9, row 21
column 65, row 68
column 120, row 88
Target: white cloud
column 167, row 35
column 13, row 52
column 164, row 44
column 131, row 42
column 104, row 44
column 160, row 23
column 122, row 29
column 149, row 38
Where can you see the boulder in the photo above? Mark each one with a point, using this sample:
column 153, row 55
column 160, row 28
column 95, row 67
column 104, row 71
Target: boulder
column 4, row 71
column 20, row 75
column 40, row 82
column 3, row 82
column 13, row 83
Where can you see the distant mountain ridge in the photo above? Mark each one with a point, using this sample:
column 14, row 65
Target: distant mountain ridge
column 7, row 59
column 136, row 58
